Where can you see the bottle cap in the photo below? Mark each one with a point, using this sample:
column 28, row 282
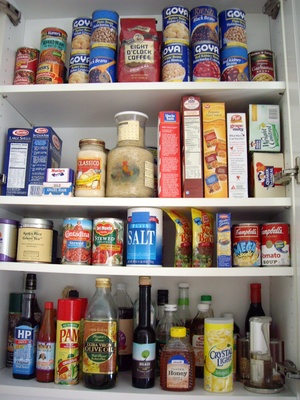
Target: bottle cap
column 170, row 307
column 15, row 302
column 48, row 305
column 162, row 296
column 73, row 293
column 30, row 282
column 203, row 307
column 121, row 286
column 206, row 297
column 103, row 282
column 69, row 309
column 145, row 280
column 178, row 331
column 183, row 285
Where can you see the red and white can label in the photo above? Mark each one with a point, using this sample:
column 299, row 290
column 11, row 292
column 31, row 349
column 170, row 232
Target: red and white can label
column 275, row 241
column 246, row 245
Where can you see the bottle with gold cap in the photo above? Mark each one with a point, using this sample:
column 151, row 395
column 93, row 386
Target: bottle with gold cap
column 99, row 367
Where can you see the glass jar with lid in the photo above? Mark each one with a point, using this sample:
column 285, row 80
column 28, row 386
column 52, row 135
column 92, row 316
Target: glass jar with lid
column 91, row 166
column 130, row 166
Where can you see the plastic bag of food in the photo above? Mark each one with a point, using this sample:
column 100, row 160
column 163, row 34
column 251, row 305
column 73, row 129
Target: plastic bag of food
column 203, row 238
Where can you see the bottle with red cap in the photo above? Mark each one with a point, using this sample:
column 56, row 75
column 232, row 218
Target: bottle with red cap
column 46, row 346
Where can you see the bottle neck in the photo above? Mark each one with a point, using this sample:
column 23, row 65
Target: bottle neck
column 28, row 305
column 183, row 299
column 145, row 306
column 255, row 296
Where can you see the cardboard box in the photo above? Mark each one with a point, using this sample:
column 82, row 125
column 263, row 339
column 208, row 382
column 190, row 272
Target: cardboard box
column 169, row 159
column 224, row 245
column 263, row 168
column 191, row 139
column 214, row 150
column 264, row 128
column 58, row 189
column 62, row 175
column 17, row 161
column 237, row 155
column 45, row 153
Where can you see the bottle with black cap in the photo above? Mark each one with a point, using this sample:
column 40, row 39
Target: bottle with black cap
column 30, row 287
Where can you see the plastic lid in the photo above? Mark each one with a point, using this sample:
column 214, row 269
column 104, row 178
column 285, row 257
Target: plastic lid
column 203, row 307
column 69, row 309
column 178, row 331
column 183, row 285
column 103, row 282
column 134, row 115
column 170, row 307
column 15, row 302
column 206, row 297
column 121, row 286
column 48, row 305
column 9, row 221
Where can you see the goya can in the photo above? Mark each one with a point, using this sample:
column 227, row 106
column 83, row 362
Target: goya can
column 108, row 238
column 105, row 28
column 234, row 64
column 275, row 244
column 53, row 44
column 77, row 241
column 232, row 26
column 81, row 33
column 262, row 65
column 102, row 66
column 50, row 72
column 8, row 239
column 175, row 62
column 176, row 24
column 26, row 66
column 206, row 62
column 218, row 355
column 144, row 237
column 79, row 66
column 246, row 240
column 204, row 25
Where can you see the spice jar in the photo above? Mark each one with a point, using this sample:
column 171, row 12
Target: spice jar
column 91, row 164
column 130, row 166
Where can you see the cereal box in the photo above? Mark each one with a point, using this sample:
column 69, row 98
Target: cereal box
column 264, row 128
column 214, row 150
column 169, row 154
column 237, row 155
column 191, row 139
column 263, row 168
column 223, row 227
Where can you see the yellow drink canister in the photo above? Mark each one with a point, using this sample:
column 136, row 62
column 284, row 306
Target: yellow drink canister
column 218, row 355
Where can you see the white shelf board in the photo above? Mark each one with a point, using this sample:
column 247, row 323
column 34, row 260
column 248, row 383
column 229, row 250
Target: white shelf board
column 10, row 387
column 94, row 105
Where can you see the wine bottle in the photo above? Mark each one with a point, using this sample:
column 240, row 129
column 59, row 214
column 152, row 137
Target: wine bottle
column 255, row 309
column 30, row 287
column 144, row 340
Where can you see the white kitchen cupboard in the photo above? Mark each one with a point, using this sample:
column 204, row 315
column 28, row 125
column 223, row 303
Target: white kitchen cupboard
column 87, row 110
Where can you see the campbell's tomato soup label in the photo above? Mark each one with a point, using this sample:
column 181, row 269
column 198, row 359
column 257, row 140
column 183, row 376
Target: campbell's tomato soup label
column 108, row 241
column 275, row 244
column 246, row 245
column 77, row 241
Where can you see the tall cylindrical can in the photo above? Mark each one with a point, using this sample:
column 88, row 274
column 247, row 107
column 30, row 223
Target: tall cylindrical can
column 67, row 341
column 8, row 239
column 218, row 354
column 204, row 25
column 176, row 24
column 232, row 25
column 105, row 25
column 53, row 44
column 144, row 237
column 246, row 240
column 81, row 33
column 77, row 241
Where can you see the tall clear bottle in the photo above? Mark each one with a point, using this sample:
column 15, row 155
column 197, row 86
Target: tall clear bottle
column 255, row 309
column 24, row 361
column 30, row 287
column 183, row 312
column 168, row 320
column 144, row 343
column 99, row 369
column 125, row 328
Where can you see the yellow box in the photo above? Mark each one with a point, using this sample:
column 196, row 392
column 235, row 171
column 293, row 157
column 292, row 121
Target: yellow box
column 215, row 150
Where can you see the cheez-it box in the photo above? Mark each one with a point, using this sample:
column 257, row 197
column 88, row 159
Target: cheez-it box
column 169, row 159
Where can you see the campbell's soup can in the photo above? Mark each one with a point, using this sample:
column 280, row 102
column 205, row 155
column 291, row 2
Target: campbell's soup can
column 234, row 64
column 262, row 65
column 175, row 62
column 108, row 241
column 204, row 25
column 232, row 28
column 81, row 33
column 26, row 66
column 275, row 244
column 144, row 237
column 176, row 24
column 218, row 355
column 8, row 239
column 77, row 241
column 246, row 239
column 206, row 62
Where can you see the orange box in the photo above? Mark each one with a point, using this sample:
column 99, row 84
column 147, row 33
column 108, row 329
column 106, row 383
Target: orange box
column 215, row 150
column 168, row 154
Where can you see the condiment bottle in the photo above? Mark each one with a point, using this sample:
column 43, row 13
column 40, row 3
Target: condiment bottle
column 30, row 287
column 91, row 169
column 255, row 309
column 130, row 166
column 197, row 337
column 27, row 327
column 14, row 314
column 125, row 328
column 207, row 298
column 46, row 346
column 143, row 350
column 99, row 368
column 177, row 368
column 184, row 306
column 162, row 299
column 163, row 328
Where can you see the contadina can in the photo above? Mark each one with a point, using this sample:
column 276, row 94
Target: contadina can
column 8, row 239
column 35, row 238
column 67, row 341
column 77, row 241
column 108, row 237
column 144, row 237
column 218, row 354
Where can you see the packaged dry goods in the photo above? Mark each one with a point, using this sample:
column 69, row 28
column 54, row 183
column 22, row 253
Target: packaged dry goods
column 203, row 238
column 224, row 244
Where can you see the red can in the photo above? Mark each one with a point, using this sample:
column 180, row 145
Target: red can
column 246, row 240
column 26, row 65
column 275, row 244
column 77, row 241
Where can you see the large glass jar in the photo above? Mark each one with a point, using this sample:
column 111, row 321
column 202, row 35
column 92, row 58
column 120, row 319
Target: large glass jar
column 130, row 166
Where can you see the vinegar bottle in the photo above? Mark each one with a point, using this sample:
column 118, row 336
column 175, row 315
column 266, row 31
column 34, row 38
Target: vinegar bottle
column 30, row 287
column 99, row 369
column 143, row 350
column 255, row 309
column 46, row 346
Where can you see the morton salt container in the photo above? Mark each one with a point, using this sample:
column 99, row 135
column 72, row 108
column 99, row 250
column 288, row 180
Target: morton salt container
column 144, row 237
